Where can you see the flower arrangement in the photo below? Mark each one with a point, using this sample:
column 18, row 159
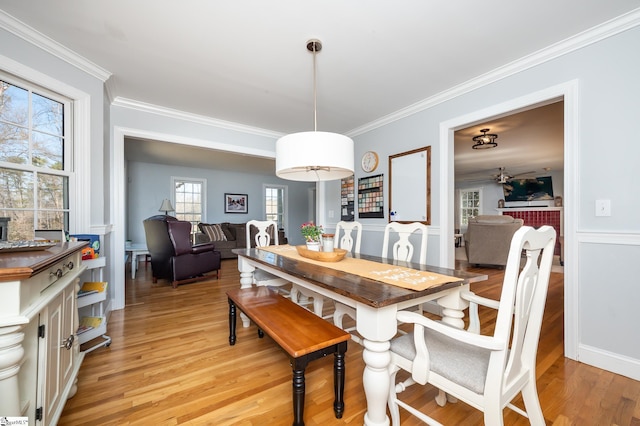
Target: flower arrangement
column 311, row 232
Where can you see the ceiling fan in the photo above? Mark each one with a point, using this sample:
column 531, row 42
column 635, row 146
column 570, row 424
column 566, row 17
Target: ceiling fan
column 504, row 177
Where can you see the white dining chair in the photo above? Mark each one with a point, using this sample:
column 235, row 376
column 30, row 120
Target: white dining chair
column 485, row 371
column 344, row 239
column 265, row 230
column 402, row 248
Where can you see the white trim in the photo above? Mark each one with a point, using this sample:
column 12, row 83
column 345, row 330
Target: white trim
column 202, row 143
column 569, row 92
column 599, row 32
column 610, row 361
column 194, row 118
column 36, row 38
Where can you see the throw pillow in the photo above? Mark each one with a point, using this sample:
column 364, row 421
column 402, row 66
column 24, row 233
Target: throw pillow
column 214, row 232
column 228, row 232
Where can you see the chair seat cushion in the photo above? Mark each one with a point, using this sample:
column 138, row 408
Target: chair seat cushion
column 459, row 362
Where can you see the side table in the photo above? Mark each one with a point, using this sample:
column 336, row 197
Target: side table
column 135, row 250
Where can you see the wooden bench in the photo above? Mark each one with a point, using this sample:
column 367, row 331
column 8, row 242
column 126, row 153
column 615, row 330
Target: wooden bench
column 303, row 335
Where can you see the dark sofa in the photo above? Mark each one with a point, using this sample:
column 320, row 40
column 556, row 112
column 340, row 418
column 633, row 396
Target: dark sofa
column 228, row 236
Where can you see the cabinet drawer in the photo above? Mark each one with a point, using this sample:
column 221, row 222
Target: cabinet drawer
column 59, row 271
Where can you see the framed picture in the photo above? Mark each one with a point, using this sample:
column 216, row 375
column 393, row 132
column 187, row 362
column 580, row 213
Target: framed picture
column 236, row 203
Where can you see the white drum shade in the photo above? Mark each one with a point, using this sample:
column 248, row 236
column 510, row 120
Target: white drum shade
column 314, row 156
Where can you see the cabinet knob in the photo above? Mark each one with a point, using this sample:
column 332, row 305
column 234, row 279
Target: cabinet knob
column 68, row 342
column 69, row 265
column 57, row 273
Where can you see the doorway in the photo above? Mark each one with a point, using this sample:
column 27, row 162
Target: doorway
column 566, row 92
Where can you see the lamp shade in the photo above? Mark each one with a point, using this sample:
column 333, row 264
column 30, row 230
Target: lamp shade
column 314, row 156
column 166, row 206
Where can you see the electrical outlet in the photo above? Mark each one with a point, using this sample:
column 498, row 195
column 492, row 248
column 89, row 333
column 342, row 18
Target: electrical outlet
column 603, row 207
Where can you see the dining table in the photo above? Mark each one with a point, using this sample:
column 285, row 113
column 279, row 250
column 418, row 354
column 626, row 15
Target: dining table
column 376, row 288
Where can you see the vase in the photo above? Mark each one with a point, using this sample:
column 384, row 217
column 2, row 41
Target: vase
column 313, row 245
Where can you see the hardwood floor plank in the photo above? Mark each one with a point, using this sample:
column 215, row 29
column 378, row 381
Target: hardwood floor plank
column 170, row 363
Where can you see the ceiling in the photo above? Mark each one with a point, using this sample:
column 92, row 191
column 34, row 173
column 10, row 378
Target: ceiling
column 246, row 61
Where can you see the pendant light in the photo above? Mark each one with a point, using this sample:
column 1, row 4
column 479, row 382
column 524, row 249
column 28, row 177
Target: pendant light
column 314, row 156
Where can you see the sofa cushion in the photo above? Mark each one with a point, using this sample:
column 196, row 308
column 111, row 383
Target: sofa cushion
column 229, row 231
column 213, row 231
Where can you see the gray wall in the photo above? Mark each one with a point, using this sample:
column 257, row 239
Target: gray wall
column 148, row 184
column 603, row 249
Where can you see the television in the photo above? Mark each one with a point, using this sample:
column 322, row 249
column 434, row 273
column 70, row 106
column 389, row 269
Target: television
column 540, row 188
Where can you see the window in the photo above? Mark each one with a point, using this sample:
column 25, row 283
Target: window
column 35, row 160
column 189, row 195
column 470, row 204
column 274, row 203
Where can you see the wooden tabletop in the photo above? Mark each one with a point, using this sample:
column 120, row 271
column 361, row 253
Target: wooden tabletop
column 356, row 287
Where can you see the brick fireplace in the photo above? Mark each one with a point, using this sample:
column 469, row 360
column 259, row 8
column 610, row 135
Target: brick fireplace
column 538, row 216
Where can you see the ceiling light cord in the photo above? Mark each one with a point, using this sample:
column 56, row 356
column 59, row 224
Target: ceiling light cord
column 315, row 88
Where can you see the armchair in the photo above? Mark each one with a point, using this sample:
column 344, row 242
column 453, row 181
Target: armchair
column 172, row 255
column 488, row 237
column 485, row 371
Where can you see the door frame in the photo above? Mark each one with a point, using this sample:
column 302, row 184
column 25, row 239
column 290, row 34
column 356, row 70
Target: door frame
column 568, row 92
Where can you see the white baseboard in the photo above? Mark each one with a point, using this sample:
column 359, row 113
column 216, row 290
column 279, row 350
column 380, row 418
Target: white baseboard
column 619, row 364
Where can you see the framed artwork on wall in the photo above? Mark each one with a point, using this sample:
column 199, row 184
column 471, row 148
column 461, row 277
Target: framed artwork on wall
column 236, row 203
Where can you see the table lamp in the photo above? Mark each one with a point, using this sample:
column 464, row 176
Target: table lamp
column 166, row 207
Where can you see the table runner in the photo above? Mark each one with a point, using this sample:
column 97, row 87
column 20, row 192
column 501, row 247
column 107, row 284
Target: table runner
column 400, row 276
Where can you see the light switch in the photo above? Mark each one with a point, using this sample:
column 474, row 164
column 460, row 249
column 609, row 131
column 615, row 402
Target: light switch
column 331, row 214
column 603, row 207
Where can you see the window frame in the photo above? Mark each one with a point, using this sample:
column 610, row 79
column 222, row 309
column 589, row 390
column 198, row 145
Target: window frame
column 68, row 172
column 284, row 191
column 464, row 219
column 203, row 200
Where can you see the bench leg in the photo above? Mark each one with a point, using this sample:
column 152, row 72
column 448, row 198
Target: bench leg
column 298, row 366
column 339, row 371
column 232, row 322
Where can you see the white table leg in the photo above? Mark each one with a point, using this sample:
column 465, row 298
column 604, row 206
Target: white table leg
column 246, row 281
column 452, row 308
column 376, row 381
column 378, row 327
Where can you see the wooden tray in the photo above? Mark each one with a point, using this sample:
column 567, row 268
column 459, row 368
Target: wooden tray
column 323, row 256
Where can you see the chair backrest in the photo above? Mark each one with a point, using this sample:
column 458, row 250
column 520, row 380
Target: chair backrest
column 180, row 236
column 402, row 248
column 159, row 244
column 524, row 294
column 346, row 241
column 263, row 236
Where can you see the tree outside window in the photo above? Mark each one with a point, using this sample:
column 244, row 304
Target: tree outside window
column 34, row 164
column 189, row 196
column 470, row 204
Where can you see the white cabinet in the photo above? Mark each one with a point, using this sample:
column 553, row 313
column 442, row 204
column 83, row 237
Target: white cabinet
column 39, row 353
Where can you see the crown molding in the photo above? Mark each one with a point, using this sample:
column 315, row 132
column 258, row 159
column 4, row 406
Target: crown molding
column 194, row 118
column 30, row 35
column 593, row 35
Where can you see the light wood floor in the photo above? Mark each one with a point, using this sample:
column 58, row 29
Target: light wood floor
column 170, row 363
